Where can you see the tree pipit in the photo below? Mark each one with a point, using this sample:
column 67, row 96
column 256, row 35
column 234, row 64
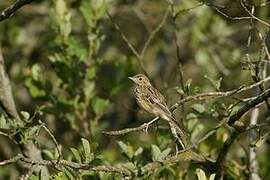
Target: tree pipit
column 152, row 101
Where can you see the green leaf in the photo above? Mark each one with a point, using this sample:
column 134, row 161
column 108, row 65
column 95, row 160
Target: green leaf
column 130, row 166
column 123, row 146
column 191, row 116
column 180, row 90
column 26, row 115
column 28, row 133
column 36, row 72
column 60, row 176
column 138, row 151
column 91, row 72
column 63, row 16
column 212, row 177
column 87, row 150
column 201, row 174
column 87, row 11
column 3, row 122
column 126, row 149
column 75, row 48
column 215, row 83
column 48, row 153
column 187, row 86
column 35, row 90
column 89, row 90
column 164, row 154
column 68, row 174
column 155, row 153
column 76, row 154
column 199, row 108
column 34, row 177
column 99, row 105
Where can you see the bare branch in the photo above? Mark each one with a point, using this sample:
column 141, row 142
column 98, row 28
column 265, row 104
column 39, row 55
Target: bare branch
column 153, row 33
column 8, row 105
column 219, row 94
column 239, row 18
column 74, row 165
column 123, row 36
column 14, row 7
column 220, row 162
column 188, row 9
column 53, row 138
column 140, row 56
column 11, row 160
column 249, row 105
column 252, row 16
column 6, row 97
column 182, row 156
column 128, row 130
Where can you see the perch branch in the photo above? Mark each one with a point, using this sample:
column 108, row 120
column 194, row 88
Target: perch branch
column 74, row 165
column 153, row 33
column 8, row 12
column 249, row 105
column 219, row 94
column 128, row 130
column 6, row 97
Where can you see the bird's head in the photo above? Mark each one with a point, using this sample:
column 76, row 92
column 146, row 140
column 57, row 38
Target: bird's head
column 141, row 80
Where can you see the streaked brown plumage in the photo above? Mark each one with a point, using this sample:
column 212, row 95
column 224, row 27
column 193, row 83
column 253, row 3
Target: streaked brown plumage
column 152, row 101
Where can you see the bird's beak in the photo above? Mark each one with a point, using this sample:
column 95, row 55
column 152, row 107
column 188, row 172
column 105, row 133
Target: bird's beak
column 132, row 78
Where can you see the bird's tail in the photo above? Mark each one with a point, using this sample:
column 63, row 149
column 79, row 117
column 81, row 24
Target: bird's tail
column 179, row 132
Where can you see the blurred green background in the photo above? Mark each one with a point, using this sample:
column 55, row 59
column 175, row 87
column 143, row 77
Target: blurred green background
column 66, row 59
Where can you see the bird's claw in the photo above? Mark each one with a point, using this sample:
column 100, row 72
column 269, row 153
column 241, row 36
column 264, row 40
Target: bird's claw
column 146, row 128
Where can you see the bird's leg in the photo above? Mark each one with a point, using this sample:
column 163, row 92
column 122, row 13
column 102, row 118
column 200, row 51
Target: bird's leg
column 149, row 123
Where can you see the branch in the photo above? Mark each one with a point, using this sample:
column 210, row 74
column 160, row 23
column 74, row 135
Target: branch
column 153, row 33
column 74, row 165
column 6, row 13
column 128, row 130
column 220, row 162
column 116, row 26
column 6, row 97
column 219, row 94
column 53, row 138
column 236, row 132
column 8, row 105
column 239, row 18
column 140, row 56
column 249, row 105
column 182, row 156
column 252, row 16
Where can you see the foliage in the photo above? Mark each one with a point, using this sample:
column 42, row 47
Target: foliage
column 69, row 63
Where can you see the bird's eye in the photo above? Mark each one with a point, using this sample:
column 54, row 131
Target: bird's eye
column 140, row 79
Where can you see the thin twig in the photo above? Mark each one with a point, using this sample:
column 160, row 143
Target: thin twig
column 239, row 18
column 123, row 36
column 53, row 138
column 188, row 9
column 249, row 105
column 220, row 162
column 229, row 17
column 153, row 33
column 252, row 16
column 128, row 130
column 219, row 94
column 140, row 56
column 6, row 97
column 12, row 8
column 182, row 156
column 11, row 160
column 74, row 165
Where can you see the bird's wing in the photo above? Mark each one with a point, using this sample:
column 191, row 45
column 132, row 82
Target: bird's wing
column 158, row 100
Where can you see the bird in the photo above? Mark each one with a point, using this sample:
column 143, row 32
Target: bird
column 153, row 102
